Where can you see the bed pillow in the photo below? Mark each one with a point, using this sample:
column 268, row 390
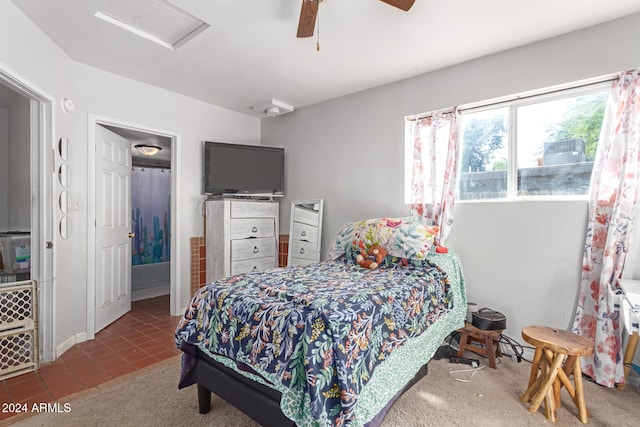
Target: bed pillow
column 403, row 238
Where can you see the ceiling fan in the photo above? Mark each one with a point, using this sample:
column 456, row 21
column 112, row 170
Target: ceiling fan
column 309, row 12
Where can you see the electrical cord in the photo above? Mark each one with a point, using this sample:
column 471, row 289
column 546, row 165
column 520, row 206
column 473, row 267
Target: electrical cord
column 516, row 347
column 632, row 366
column 453, row 345
column 472, row 370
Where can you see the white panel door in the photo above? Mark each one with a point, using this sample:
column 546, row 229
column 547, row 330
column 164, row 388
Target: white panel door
column 113, row 225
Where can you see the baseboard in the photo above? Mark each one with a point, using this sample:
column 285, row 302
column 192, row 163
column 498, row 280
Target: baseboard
column 66, row 345
column 147, row 293
column 81, row 337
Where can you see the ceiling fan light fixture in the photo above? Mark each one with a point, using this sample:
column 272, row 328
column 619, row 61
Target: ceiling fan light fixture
column 148, row 150
column 272, row 111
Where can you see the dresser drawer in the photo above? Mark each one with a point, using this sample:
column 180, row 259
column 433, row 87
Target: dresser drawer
column 306, row 250
column 253, row 209
column 252, row 227
column 252, row 248
column 249, row 265
column 304, row 232
column 306, row 216
column 301, row 261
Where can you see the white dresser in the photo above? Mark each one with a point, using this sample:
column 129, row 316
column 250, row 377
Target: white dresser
column 241, row 236
column 305, row 232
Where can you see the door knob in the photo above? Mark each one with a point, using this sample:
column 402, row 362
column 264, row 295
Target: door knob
column 132, row 235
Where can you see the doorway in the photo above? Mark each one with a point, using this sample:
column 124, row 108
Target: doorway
column 151, row 246
column 151, row 212
column 25, row 115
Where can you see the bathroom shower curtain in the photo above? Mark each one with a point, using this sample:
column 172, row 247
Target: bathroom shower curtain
column 151, row 207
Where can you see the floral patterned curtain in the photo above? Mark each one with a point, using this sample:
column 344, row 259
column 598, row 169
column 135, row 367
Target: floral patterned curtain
column 613, row 195
column 433, row 179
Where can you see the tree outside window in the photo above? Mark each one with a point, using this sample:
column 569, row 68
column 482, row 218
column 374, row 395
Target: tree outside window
column 539, row 146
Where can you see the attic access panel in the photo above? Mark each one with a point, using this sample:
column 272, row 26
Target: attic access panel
column 155, row 20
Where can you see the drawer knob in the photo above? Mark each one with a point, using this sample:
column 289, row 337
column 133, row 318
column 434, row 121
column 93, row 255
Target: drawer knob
column 254, row 229
column 255, row 268
column 304, row 233
column 255, row 250
column 302, row 250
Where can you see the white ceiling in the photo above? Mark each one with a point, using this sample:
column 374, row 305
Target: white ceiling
column 250, row 54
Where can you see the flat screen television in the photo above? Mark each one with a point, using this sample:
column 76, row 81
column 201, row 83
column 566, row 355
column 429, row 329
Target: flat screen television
column 243, row 170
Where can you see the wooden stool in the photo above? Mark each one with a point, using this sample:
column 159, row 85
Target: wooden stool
column 489, row 338
column 557, row 355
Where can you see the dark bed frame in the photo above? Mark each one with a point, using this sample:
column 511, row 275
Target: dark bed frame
column 259, row 402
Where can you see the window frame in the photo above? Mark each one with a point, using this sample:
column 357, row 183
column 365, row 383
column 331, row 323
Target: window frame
column 512, row 105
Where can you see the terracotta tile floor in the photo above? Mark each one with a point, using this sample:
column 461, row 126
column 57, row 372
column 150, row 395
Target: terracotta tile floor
column 140, row 338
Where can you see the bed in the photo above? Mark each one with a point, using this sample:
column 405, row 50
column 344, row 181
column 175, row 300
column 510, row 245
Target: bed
column 327, row 344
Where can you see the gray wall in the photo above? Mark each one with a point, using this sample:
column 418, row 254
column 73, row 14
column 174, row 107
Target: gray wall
column 521, row 258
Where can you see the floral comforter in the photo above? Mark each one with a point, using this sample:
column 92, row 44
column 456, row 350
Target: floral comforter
column 316, row 333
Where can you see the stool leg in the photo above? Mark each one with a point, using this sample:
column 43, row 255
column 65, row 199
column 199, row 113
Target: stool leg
column 550, row 406
column 552, row 396
column 568, row 365
column 556, row 383
column 566, row 382
column 535, row 365
column 544, row 373
column 491, row 352
column 464, row 338
column 577, row 378
column 548, row 381
column 534, row 383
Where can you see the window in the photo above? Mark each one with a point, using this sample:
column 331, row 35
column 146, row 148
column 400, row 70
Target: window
column 538, row 146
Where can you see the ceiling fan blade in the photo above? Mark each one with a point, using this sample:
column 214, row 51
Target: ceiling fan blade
column 400, row 4
column 308, row 15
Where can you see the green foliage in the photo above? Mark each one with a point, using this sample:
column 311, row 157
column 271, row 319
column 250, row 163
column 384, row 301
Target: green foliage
column 582, row 119
column 484, row 132
column 500, row 165
column 482, row 135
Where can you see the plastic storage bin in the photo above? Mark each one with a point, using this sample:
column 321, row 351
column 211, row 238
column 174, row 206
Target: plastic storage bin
column 16, row 252
column 7, row 278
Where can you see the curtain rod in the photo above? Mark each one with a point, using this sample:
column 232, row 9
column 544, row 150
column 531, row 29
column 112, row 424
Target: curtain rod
column 523, row 95
column 539, row 92
column 443, row 111
column 163, row 168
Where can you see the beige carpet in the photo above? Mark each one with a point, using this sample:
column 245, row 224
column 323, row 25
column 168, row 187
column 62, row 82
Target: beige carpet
column 490, row 398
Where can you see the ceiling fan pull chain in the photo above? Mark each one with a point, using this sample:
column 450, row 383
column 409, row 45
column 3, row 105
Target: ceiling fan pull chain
column 318, row 29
